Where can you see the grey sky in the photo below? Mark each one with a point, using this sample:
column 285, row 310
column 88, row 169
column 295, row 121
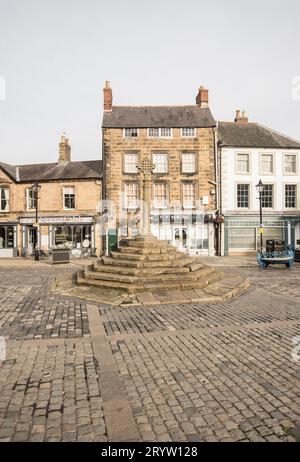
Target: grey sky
column 56, row 54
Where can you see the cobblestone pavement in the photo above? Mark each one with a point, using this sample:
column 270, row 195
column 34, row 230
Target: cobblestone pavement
column 199, row 372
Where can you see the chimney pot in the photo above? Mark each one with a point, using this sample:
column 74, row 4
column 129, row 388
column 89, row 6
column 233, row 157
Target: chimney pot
column 64, row 151
column 202, row 97
column 107, row 96
column 241, row 119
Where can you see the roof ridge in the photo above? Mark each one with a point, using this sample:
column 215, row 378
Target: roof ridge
column 278, row 133
column 158, row 105
column 236, row 123
column 50, row 163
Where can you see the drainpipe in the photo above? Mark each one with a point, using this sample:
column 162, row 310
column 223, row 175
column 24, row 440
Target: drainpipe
column 216, row 182
column 219, row 143
column 216, row 166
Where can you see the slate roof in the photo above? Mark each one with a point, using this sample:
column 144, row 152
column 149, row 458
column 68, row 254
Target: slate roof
column 157, row 117
column 253, row 135
column 89, row 169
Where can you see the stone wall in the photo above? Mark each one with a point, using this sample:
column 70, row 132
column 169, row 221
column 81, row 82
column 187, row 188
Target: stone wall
column 115, row 145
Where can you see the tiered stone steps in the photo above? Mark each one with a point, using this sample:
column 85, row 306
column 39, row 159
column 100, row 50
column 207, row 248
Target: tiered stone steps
column 148, row 264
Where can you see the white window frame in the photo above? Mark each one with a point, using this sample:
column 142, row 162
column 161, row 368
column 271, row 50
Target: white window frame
column 286, row 154
column 157, row 205
column 236, row 195
column 189, row 136
column 65, row 188
column 260, row 163
column 28, row 199
column 243, row 153
column 153, row 136
column 297, row 196
column 188, row 153
column 127, row 206
column 164, row 154
column 193, row 184
column 132, row 153
column 273, row 197
column 7, row 209
column 160, row 132
column 130, row 137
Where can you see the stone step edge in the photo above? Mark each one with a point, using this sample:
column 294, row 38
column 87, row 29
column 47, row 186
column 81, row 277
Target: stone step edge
column 238, row 290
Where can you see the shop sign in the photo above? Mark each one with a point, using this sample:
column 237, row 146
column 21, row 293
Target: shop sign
column 54, row 220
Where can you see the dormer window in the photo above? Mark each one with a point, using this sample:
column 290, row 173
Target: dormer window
column 131, row 132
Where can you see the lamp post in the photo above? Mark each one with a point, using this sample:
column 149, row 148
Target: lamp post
column 260, row 189
column 36, row 187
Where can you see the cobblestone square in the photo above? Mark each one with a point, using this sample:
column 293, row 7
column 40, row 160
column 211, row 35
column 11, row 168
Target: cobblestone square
column 77, row 371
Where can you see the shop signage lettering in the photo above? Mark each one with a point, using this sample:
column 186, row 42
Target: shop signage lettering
column 49, row 220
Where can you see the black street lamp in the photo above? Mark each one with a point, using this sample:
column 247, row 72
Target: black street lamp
column 36, row 187
column 260, row 189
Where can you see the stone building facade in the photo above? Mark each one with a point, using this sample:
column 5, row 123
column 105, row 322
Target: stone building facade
column 180, row 140
column 68, row 206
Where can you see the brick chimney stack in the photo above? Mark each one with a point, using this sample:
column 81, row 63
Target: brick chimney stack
column 202, row 97
column 107, row 97
column 241, row 119
column 64, row 151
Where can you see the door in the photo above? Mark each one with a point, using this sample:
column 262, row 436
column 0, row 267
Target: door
column 31, row 240
column 181, row 239
column 112, row 241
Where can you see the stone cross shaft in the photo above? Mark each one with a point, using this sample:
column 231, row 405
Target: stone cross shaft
column 146, row 168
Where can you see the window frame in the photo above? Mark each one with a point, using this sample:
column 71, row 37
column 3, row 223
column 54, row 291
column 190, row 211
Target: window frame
column 296, row 196
column 28, row 199
column 188, row 136
column 273, row 196
column 167, row 199
column 159, row 132
column 64, row 198
column 286, row 154
column 187, row 182
column 130, row 137
column 124, row 162
column 125, row 183
column 273, row 163
column 7, row 210
column 237, row 153
column 244, row 183
column 164, row 153
column 196, row 162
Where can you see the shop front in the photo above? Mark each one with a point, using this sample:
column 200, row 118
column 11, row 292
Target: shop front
column 241, row 234
column 8, row 240
column 72, row 232
column 190, row 233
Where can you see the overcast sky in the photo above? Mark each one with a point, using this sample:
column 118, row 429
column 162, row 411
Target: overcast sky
column 56, row 54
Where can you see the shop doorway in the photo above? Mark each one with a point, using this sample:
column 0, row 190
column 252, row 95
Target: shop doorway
column 181, row 239
column 31, row 240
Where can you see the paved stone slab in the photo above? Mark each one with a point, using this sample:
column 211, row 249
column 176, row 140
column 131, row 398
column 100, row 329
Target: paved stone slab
column 119, row 418
column 198, row 372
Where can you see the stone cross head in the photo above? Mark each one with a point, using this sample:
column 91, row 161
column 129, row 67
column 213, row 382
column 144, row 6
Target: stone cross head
column 146, row 166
